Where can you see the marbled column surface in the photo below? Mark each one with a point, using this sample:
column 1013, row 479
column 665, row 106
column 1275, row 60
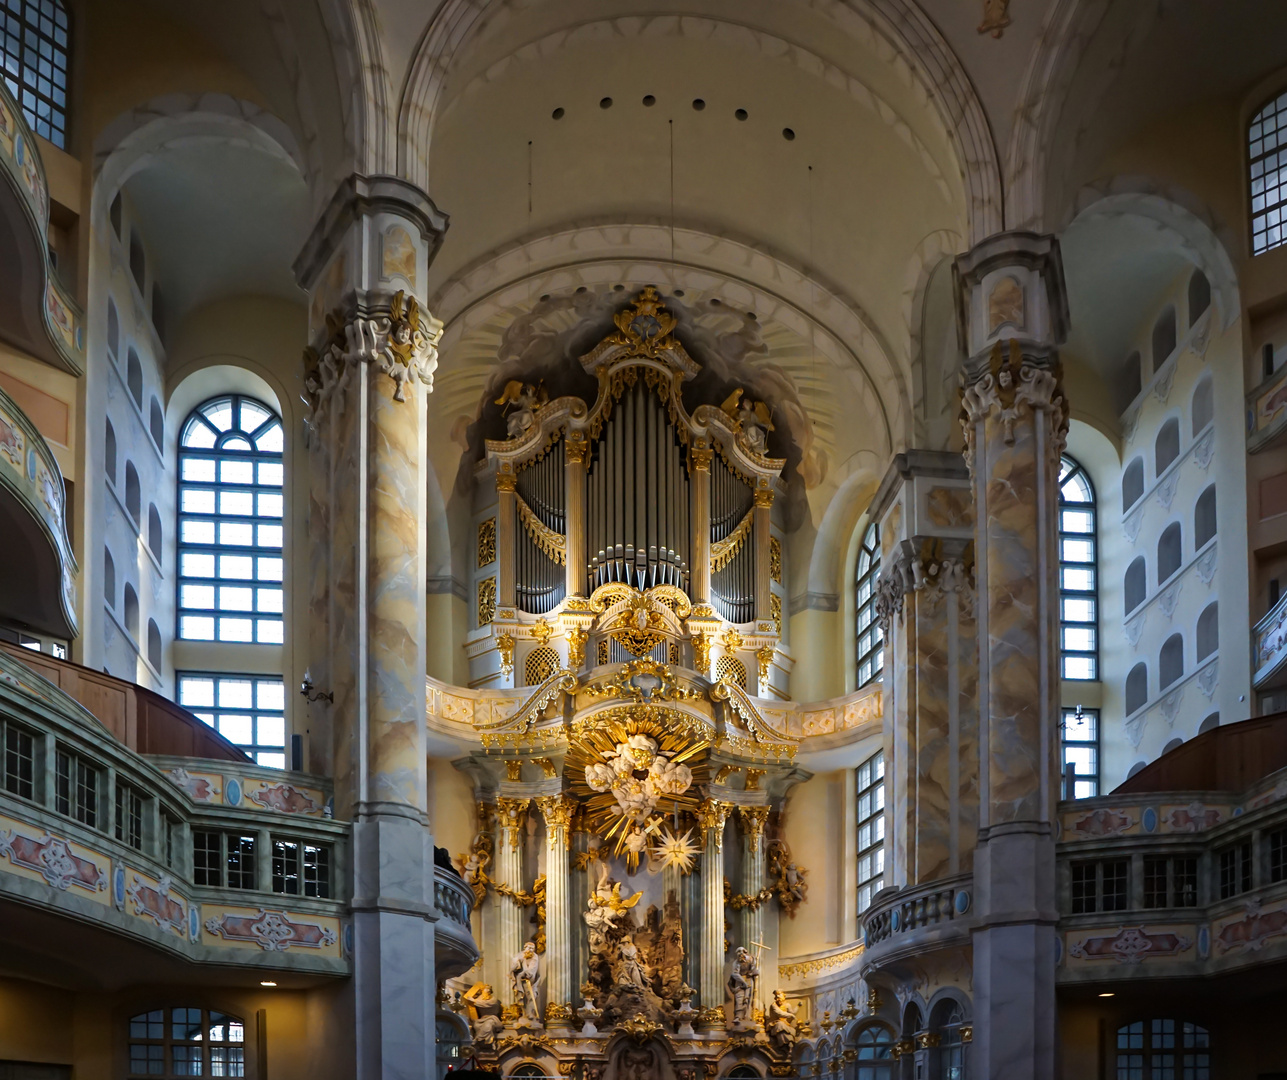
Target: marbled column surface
column 509, row 871
column 900, row 746
column 931, row 750
column 1015, row 619
column 557, row 811
column 396, row 596
column 712, row 943
column 321, row 751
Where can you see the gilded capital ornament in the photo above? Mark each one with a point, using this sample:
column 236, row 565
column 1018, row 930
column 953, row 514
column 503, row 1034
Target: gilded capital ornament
column 558, row 811
column 577, row 637
column 754, row 818
column 510, row 814
column 764, row 498
column 506, row 482
column 711, row 815
column 699, row 456
column 575, row 448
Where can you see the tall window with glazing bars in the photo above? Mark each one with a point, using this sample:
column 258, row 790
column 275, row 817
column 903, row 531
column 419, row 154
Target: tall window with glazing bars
column 871, row 642
column 1078, row 575
column 230, row 523
column 34, row 43
column 1267, row 169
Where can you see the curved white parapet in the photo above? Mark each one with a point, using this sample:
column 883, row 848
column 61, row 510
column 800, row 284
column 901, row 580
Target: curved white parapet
column 37, row 313
column 41, row 594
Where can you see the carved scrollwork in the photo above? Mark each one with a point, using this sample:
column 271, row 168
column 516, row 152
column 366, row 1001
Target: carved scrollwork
column 1011, row 389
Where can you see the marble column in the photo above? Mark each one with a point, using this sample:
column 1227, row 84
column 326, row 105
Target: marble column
column 753, row 819
column 575, row 449
column 711, row 816
column 1013, row 315
column 699, row 480
column 559, row 991
column 368, row 372
column 511, row 817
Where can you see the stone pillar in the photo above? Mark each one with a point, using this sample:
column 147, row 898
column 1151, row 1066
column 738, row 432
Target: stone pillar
column 506, row 539
column 699, row 478
column 1013, row 314
column 925, row 607
column 711, row 816
column 575, row 450
column 368, row 372
column 762, row 532
column 753, row 819
column 559, row 990
column 511, row 816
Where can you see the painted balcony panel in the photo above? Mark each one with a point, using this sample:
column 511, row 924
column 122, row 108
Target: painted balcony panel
column 37, row 313
column 38, row 573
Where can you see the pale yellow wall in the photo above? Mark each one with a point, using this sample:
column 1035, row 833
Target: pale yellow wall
column 451, row 811
column 819, row 830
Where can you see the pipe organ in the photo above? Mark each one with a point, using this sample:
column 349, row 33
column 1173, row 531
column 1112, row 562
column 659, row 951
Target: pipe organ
column 629, row 500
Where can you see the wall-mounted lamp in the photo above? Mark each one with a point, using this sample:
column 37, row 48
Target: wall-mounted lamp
column 310, row 695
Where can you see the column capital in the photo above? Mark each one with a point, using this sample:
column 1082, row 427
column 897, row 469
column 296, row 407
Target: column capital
column 699, row 456
column 711, row 816
column 575, row 448
column 753, row 818
column 510, row 814
column 557, row 810
column 1009, row 390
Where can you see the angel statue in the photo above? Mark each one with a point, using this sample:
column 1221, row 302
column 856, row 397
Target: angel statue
column 525, row 980
column 754, row 418
column 520, row 401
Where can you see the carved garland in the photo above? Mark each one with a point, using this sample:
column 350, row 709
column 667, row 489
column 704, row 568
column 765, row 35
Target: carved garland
column 554, row 545
column 724, row 551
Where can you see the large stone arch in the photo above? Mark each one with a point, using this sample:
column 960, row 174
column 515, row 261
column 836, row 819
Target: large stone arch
column 925, row 59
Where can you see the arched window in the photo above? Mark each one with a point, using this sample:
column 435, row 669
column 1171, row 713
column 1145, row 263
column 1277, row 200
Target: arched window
column 113, row 329
column 1132, row 484
column 1136, row 688
column 951, row 1046
column 156, row 424
column 109, row 579
column 33, row 57
column 870, row 783
column 1208, row 630
column 1167, row 447
column 1209, row 724
column 133, row 495
column 1135, row 587
column 1162, row 1048
column 1078, row 574
column 138, row 260
column 1136, row 768
column 109, row 453
column 131, row 612
column 874, row 1047
column 154, row 644
column 1204, row 518
column 154, row 530
column 1174, row 744
column 871, row 644
column 1267, row 172
column 186, row 1042
column 1169, row 552
column 230, row 522
column 1199, row 296
column 1203, row 407
column 134, row 377
column 1163, row 337
column 1170, row 661
column 1130, row 383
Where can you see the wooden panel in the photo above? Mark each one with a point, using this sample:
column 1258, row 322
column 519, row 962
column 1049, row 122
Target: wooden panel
column 1273, row 496
column 145, row 722
column 1229, row 758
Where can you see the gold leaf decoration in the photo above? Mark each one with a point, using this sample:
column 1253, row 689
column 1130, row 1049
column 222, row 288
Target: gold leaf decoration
column 486, row 600
column 486, row 542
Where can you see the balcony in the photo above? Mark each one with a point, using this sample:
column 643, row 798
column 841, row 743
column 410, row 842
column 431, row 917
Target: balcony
column 1269, row 646
column 1182, row 871
column 455, row 950
column 156, row 863
column 916, row 919
column 37, row 314
column 38, row 572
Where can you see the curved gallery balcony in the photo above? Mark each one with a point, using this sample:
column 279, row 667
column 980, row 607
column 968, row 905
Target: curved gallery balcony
column 915, row 919
column 168, row 861
column 38, row 572
column 1182, row 871
column 455, row 950
column 37, row 314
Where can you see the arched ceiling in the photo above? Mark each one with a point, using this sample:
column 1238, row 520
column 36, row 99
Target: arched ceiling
column 803, row 244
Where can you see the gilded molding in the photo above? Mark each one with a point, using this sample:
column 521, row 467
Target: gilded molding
column 486, row 600
column 819, row 965
column 486, row 542
column 724, row 551
column 553, row 545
